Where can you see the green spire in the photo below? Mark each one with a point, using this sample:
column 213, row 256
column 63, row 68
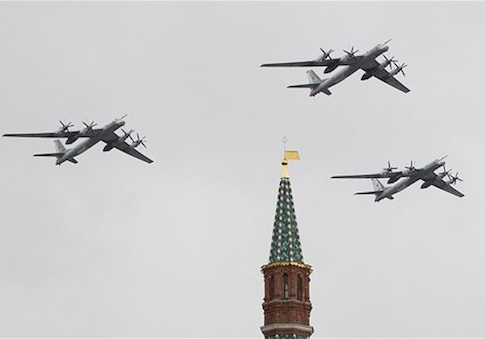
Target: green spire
column 285, row 244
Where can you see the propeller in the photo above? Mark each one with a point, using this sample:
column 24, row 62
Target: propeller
column 389, row 168
column 138, row 141
column 65, row 127
column 390, row 61
column 89, row 127
column 454, row 178
column 326, row 54
column 411, row 166
column 128, row 134
column 444, row 173
column 351, row 53
column 400, row 68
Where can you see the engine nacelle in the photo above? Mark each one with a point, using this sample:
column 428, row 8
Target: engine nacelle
column 366, row 76
column 72, row 139
column 330, row 67
column 108, row 147
column 394, row 178
column 425, row 184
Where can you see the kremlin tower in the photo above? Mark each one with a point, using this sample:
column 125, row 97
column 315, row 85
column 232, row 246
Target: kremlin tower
column 286, row 303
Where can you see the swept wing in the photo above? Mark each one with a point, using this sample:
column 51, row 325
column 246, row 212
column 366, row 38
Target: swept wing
column 445, row 186
column 383, row 75
column 60, row 134
column 112, row 138
column 315, row 63
column 369, row 176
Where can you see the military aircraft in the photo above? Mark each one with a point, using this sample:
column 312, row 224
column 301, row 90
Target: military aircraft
column 93, row 136
column 410, row 175
column 351, row 63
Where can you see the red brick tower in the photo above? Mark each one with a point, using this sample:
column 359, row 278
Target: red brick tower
column 286, row 277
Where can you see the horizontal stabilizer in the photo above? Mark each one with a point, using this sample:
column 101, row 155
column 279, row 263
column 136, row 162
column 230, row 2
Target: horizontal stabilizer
column 49, row 155
column 368, row 192
column 304, row 86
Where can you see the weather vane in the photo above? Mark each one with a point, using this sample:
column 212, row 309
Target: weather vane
column 288, row 155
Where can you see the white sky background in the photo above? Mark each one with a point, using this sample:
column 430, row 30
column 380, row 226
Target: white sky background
column 116, row 247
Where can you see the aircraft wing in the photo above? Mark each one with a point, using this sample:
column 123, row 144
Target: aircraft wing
column 60, row 134
column 368, row 176
column 316, row 63
column 112, row 138
column 384, row 76
column 441, row 184
column 311, row 63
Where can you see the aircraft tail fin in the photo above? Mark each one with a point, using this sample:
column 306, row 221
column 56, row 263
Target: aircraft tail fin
column 378, row 189
column 60, row 151
column 59, row 146
column 378, row 186
column 314, row 82
column 313, row 77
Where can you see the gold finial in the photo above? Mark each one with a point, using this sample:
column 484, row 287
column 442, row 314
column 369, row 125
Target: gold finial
column 288, row 155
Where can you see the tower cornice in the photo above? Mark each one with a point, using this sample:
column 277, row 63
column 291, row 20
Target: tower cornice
column 286, row 263
column 286, row 328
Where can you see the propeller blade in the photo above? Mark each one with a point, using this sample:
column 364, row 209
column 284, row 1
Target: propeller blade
column 411, row 166
column 90, row 126
column 390, row 61
column 65, row 127
column 352, row 52
column 389, row 168
column 325, row 54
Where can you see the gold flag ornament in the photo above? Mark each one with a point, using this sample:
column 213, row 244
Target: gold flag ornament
column 292, row 155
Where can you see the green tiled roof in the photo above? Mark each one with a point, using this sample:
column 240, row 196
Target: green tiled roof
column 285, row 244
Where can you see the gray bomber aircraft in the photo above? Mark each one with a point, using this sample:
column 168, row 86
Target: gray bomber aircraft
column 351, row 63
column 410, row 175
column 106, row 134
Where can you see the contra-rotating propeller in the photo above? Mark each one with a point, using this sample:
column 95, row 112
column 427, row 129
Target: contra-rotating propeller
column 410, row 167
column 65, row 127
column 326, row 54
column 351, row 54
column 389, row 168
column 89, row 127
column 444, row 173
column 454, row 178
column 389, row 62
column 128, row 134
column 138, row 141
column 400, row 68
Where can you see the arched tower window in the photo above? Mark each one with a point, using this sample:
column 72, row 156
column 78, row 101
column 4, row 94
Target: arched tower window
column 285, row 286
column 271, row 287
column 299, row 288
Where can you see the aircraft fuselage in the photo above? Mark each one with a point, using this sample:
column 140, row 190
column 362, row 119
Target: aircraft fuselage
column 346, row 71
column 414, row 175
column 90, row 142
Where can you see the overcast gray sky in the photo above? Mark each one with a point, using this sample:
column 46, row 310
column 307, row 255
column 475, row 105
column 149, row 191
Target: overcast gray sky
column 116, row 247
